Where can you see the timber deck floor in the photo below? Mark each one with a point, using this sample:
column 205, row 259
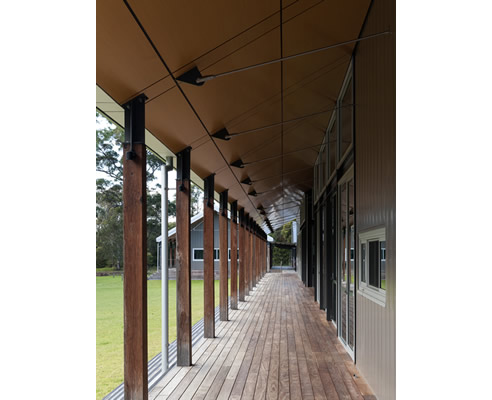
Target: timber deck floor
column 277, row 345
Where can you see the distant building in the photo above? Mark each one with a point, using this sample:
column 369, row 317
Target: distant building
column 196, row 243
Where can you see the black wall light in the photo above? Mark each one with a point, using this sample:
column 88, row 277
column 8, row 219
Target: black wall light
column 191, row 77
column 238, row 164
column 194, row 77
column 223, row 134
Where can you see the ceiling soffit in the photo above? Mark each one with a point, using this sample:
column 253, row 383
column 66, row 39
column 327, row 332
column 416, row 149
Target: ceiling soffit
column 219, row 36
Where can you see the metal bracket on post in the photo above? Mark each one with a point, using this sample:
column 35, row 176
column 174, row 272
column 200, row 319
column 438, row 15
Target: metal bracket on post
column 209, row 190
column 234, row 212
column 183, row 172
column 134, row 123
column 241, row 217
column 223, row 202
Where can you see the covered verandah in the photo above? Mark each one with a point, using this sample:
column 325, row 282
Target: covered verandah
column 277, row 344
column 241, row 99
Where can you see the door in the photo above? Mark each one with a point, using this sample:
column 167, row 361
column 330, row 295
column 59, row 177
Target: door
column 346, row 264
column 331, row 258
column 322, row 256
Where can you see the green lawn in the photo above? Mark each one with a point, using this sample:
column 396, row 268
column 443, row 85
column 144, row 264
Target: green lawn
column 109, row 325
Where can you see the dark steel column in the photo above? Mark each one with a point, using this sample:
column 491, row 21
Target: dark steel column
column 233, row 227
column 223, row 247
column 208, row 259
column 135, row 251
column 183, row 262
column 242, row 254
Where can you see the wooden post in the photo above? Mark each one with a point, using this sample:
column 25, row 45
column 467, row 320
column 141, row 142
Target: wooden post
column 258, row 256
column 252, row 258
column 208, row 259
column 242, row 254
column 135, row 251
column 265, row 254
column 183, row 264
column 247, row 257
column 224, row 270
column 233, row 227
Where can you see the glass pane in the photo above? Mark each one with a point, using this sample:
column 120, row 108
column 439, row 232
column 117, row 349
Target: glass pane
column 383, row 265
column 374, row 263
column 332, row 138
column 344, row 261
column 322, row 166
column 346, row 119
column 198, row 254
column 351, row 265
column 363, row 263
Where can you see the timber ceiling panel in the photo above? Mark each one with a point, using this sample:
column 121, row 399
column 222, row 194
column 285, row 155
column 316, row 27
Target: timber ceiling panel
column 219, row 36
column 126, row 63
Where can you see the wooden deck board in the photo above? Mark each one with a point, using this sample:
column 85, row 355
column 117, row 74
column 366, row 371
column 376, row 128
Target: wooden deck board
column 277, row 345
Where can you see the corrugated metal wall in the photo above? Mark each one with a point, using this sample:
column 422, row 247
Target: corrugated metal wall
column 375, row 189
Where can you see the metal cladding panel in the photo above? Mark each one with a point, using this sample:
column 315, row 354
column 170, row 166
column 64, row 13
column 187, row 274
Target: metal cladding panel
column 375, row 175
column 197, row 242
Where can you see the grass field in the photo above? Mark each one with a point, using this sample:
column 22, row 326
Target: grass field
column 109, row 325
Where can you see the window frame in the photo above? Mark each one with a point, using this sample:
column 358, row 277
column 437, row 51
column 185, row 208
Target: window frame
column 197, row 259
column 376, row 294
column 346, row 82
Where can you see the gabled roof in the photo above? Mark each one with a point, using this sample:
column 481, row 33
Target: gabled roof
column 195, row 220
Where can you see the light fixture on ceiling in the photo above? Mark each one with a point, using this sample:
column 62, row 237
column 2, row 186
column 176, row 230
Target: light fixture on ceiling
column 247, row 181
column 241, row 164
column 194, row 77
column 224, row 134
column 238, row 163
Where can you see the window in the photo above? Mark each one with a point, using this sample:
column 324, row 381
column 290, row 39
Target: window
column 363, row 263
column 372, row 265
column 332, row 140
column 197, row 254
column 346, row 115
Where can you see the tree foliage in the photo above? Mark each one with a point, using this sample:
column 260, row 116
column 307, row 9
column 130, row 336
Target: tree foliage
column 282, row 235
column 109, row 198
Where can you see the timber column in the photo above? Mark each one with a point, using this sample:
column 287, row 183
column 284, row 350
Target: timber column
column 258, row 254
column 247, row 257
column 265, row 250
column 253, row 254
column 233, row 227
column 208, row 259
column 223, row 247
column 135, row 251
column 242, row 275
column 183, row 264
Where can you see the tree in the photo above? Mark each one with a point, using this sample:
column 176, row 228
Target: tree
column 109, row 224
column 109, row 198
column 195, row 199
column 282, row 235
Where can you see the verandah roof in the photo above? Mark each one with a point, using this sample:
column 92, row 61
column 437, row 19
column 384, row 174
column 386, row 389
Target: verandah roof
column 143, row 46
